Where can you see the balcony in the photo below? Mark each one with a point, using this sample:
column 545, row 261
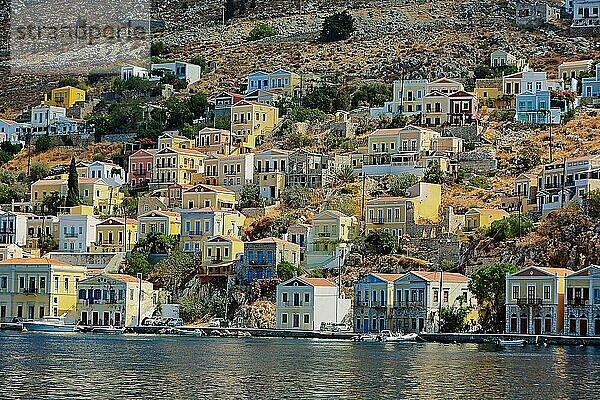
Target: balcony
column 292, row 303
column 529, row 301
column 71, row 235
column 324, row 235
column 107, row 243
column 31, row 290
column 101, row 301
column 194, row 233
column 410, row 304
column 377, row 220
column 578, row 302
column 259, row 263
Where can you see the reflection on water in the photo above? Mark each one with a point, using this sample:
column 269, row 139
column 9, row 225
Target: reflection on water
column 40, row 366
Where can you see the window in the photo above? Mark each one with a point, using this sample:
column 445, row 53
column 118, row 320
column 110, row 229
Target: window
column 446, row 295
column 284, row 297
column 131, row 294
column 306, row 297
column 284, row 318
column 306, row 318
column 56, row 283
column 546, row 292
column 66, row 284
column 515, row 292
column 4, row 282
column 436, row 298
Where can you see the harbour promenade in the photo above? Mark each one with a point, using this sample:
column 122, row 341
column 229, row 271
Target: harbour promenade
column 477, row 338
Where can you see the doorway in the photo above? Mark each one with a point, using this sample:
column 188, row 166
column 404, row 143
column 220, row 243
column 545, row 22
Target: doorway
column 523, row 325
column 583, row 326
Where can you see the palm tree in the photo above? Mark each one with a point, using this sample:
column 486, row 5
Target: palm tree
column 346, row 175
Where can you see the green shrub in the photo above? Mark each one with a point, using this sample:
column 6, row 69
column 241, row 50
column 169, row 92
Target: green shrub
column 261, row 31
column 337, row 27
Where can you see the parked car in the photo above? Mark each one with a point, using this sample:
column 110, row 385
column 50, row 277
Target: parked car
column 174, row 322
column 334, row 327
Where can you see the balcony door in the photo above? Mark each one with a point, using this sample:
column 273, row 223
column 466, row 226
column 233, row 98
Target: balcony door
column 296, row 321
column 583, row 326
column 296, row 299
column 523, row 325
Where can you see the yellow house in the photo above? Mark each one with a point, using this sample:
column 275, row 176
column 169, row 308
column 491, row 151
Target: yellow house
column 112, row 236
column 331, row 230
column 113, row 300
column 572, row 69
column 385, row 142
column 174, row 140
column 201, row 196
column 198, row 225
column 93, row 192
column 100, row 195
column 489, row 91
column 535, row 300
column 33, row 288
column 436, row 107
column 286, row 81
column 44, row 187
column 250, row 121
column 65, row 96
column 392, row 213
column 162, row 221
column 219, row 254
column 477, row 218
column 176, row 165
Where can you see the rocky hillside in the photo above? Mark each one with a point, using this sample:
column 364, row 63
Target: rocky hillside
column 423, row 39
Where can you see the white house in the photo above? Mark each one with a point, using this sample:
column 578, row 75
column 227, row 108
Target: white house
column 10, row 131
column 182, row 70
column 113, row 300
column 13, row 228
column 303, row 303
column 131, row 71
column 112, row 174
column 44, row 116
column 10, row 251
column 77, row 232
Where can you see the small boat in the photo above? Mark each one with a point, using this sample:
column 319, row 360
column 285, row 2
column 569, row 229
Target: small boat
column 394, row 337
column 108, row 330
column 48, row 324
column 519, row 342
column 368, row 337
column 184, row 332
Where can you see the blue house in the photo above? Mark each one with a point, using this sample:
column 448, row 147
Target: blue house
column 535, row 108
column 258, row 80
column 590, row 87
column 374, row 302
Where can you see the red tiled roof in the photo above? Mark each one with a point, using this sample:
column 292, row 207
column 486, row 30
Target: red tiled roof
column 125, row 278
column 35, row 261
column 447, row 276
column 389, row 277
column 317, row 281
column 271, row 240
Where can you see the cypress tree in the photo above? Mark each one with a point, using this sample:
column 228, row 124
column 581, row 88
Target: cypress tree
column 73, row 186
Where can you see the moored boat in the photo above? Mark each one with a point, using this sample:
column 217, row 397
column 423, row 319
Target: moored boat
column 511, row 342
column 48, row 324
column 388, row 336
column 108, row 330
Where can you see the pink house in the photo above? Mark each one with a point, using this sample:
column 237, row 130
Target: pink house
column 212, row 140
column 140, row 167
